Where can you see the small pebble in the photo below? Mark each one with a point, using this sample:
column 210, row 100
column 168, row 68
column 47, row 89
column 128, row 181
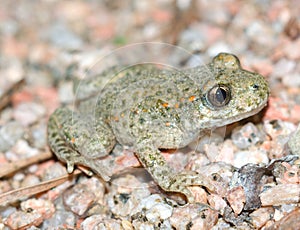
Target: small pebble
column 223, row 152
column 140, row 225
column 217, row 202
column 213, row 138
column 22, row 220
column 21, row 150
column 101, row 222
column 60, row 35
column 193, row 216
column 28, row 113
column 200, row 195
column 128, row 183
column 38, row 135
column 33, row 212
column 289, row 175
column 65, row 92
column 260, row 27
column 260, row 216
column 221, row 224
column 96, row 186
column 287, row 208
column 61, row 218
column 291, row 50
column 123, row 203
column 158, row 212
column 246, row 136
column 54, row 171
column 79, row 199
column 10, row 133
column 33, row 168
column 7, row 211
column 151, row 211
column 4, row 186
column 19, row 176
column 44, row 207
column 217, row 48
column 291, row 80
column 290, row 221
column 278, row 214
column 281, row 194
column 283, row 67
column 6, row 115
column 251, row 156
column 30, row 180
column 237, row 199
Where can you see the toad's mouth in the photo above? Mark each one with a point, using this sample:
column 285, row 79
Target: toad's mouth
column 241, row 116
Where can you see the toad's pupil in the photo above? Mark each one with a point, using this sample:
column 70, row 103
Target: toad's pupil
column 221, row 95
column 218, row 96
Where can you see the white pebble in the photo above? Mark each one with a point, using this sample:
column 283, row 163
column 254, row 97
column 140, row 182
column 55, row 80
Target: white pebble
column 159, row 212
column 29, row 113
column 245, row 157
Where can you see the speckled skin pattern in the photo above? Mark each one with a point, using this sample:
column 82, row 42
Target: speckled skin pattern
column 153, row 108
column 294, row 142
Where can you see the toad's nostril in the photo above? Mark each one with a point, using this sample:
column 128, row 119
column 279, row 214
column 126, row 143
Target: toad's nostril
column 255, row 86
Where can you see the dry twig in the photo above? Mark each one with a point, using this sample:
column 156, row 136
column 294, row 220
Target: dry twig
column 8, row 168
column 14, row 195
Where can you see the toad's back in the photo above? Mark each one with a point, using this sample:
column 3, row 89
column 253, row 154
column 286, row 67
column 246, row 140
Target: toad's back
column 146, row 98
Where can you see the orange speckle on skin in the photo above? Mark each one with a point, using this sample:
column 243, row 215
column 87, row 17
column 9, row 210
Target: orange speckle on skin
column 135, row 111
column 192, row 98
column 165, row 104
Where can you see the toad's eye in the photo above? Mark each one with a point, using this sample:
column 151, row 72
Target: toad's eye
column 218, row 96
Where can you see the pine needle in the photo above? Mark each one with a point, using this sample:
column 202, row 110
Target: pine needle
column 17, row 194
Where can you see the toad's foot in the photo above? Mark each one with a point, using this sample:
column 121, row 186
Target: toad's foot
column 165, row 176
column 180, row 183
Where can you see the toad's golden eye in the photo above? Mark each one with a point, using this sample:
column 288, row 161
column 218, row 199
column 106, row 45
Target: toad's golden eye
column 218, row 96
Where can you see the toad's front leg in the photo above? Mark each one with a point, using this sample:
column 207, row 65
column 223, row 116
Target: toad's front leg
column 164, row 175
column 76, row 140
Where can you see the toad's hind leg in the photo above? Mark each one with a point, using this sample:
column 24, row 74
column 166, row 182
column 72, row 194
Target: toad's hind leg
column 164, row 175
column 75, row 140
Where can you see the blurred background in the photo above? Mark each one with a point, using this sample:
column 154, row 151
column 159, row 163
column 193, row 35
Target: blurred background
column 36, row 35
column 38, row 38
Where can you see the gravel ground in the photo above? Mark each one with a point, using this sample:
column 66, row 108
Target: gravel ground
column 45, row 45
